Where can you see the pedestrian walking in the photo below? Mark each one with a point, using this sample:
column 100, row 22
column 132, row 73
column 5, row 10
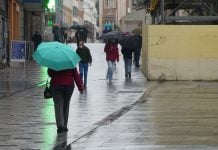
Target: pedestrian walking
column 127, row 56
column 62, row 87
column 86, row 60
column 57, row 36
column 65, row 37
column 112, row 55
column 81, row 35
column 37, row 39
column 137, row 53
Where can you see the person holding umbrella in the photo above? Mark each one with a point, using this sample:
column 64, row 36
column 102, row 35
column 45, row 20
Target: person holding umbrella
column 112, row 55
column 61, row 61
column 62, row 87
column 86, row 59
column 127, row 56
column 133, row 42
column 81, row 35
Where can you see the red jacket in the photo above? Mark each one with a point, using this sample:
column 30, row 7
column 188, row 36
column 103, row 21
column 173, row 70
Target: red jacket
column 111, row 51
column 65, row 77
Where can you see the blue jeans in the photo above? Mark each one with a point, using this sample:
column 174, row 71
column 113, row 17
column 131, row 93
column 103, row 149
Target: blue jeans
column 110, row 70
column 61, row 97
column 128, row 65
column 83, row 72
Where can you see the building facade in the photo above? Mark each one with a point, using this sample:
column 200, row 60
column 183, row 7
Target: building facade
column 3, row 30
column 110, row 13
column 90, row 18
column 67, row 13
column 135, row 18
column 23, row 18
column 78, row 13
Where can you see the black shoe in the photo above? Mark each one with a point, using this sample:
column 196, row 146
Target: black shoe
column 129, row 74
column 126, row 75
column 137, row 66
column 62, row 130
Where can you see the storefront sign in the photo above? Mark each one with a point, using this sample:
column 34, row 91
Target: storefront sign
column 18, row 51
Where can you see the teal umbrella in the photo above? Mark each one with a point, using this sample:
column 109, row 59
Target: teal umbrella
column 56, row 56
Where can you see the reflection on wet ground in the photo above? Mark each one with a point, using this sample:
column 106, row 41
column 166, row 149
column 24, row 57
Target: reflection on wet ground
column 27, row 120
column 176, row 116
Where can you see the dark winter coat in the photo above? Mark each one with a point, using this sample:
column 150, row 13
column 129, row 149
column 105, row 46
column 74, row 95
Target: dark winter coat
column 127, row 53
column 84, row 54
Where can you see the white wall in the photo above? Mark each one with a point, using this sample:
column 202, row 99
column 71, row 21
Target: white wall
column 90, row 12
column 68, row 3
column 121, row 10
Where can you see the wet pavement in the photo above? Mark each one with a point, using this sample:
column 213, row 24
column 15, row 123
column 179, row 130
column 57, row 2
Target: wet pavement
column 27, row 120
column 129, row 114
column 172, row 116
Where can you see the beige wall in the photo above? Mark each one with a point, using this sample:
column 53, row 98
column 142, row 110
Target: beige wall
column 180, row 52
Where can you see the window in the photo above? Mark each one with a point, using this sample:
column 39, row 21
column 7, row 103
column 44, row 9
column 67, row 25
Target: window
column 109, row 4
column 75, row 11
column 140, row 2
column 134, row 2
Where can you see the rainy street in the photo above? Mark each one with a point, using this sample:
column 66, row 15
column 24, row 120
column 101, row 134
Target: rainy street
column 28, row 121
column 127, row 114
column 164, row 97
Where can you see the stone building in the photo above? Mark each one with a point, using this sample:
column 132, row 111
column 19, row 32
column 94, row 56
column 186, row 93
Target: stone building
column 110, row 13
column 90, row 18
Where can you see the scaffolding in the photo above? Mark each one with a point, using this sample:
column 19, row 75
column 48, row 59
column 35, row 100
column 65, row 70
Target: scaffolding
column 183, row 11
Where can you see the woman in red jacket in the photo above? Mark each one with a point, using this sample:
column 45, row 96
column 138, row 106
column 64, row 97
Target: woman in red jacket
column 112, row 55
column 62, row 86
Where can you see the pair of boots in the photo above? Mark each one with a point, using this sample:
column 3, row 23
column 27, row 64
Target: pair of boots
column 128, row 75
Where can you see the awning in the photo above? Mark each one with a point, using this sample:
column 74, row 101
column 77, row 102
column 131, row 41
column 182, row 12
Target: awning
column 33, row 5
column 135, row 16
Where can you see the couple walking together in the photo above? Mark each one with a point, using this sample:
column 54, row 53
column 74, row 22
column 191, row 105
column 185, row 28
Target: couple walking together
column 112, row 55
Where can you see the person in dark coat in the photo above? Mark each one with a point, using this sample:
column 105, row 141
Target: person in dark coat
column 81, row 35
column 65, row 37
column 57, row 36
column 37, row 39
column 127, row 56
column 86, row 59
column 137, row 53
column 62, row 87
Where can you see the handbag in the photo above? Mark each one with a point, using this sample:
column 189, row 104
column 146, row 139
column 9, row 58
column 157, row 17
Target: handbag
column 47, row 91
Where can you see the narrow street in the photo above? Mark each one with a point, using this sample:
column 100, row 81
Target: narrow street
column 27, row 120
column 129, row 114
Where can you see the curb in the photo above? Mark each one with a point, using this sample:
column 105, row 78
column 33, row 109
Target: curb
column 111, row 117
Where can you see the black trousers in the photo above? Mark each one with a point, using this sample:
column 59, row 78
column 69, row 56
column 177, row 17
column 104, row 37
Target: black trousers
column 61, row 97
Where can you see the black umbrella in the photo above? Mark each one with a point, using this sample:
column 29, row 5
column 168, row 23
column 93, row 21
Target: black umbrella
column 112, row 35
column 132, row 42
column 78, row 27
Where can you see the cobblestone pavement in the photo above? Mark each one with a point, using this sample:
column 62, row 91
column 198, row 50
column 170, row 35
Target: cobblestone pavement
column 172, row 116
column 27, row 120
